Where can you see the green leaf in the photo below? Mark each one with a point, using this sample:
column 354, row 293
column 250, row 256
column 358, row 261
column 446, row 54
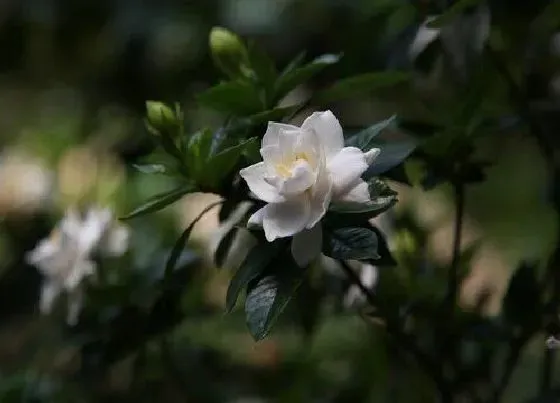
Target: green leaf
column 224, row 246
column 294, row 64
column 350, row 244
column 221, row 164
column 263, row 67
column 235, row 97
column 254, row 264
column 391, row 155
column 457, row 8
column 267, row 298
column 182, row 240
column 350, row 87
column 363, row 140
column 160, row 201
column 294, row 76
column 150, row 168
column 198, row 151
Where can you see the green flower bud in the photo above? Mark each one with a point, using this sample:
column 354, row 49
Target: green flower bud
column 160, row 116
column 228, row 51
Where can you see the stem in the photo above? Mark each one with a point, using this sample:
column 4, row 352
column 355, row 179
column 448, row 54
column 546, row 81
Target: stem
column 547, row 369
column 453, row 280
column 402, row 338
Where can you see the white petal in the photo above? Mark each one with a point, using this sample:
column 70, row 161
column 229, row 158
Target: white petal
column 75, row 303
column 302, row 179
column 345, row 167
column 321, row 195
column 371, row 155
column 327, row 129
column 286, row 218
column 369, row 275
column 307, row 245
column 49, row 291
column 254, row 176
column 256, row 218
column 273, row 130
column 94, row 225
column 80, row 270
column 358, row 193
column 116, row 240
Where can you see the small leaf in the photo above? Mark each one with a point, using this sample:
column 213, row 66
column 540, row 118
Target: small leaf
column 159, row 201
column 263, row 67
column 294, row 76
column 363, row 140
column 457, row 8
column 350, row 244
column 267, row 298
column 221, row 164
column 235, row 97
column 198, row 151
column 391, row 155
column 294, row 64
column 224, row 246
column 180, row 243
column 254, row 264
column 150, row 168
column 350, row 87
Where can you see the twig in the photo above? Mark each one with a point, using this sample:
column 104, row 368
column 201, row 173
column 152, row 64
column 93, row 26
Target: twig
column 402, row 338
column 453, row 279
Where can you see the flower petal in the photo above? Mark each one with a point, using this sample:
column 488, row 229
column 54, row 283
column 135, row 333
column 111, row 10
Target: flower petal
column 49, row 291
column 301, row 179
column 321, row 194
column 345, row 167
column 327, row 129
column 286, row 218
column 115, row 241
column 256, row 218
column 358, row 193
column 254, row 176
column 307, row 245
column 272, row 132
column 371, row 155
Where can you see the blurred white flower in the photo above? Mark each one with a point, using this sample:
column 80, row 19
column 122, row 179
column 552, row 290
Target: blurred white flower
column 303, row 169
column 26, row 183
column 65, row 258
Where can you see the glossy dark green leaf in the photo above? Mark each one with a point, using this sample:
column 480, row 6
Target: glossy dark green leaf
column 391, row 155
column 267, row 297
column 182, row 240
column 160, row 201
column 354, row 243
column 224, row 246
column 362, row 84
column 456, row 9
column 254, row 264
column 294, row 76
column 364, row 139
column 235, row 97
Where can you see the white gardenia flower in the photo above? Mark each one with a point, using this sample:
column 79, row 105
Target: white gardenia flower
column 65, row 257
column 303, row 170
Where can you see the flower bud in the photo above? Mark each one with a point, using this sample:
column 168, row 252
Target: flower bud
column 228, row 51
column 160, row 116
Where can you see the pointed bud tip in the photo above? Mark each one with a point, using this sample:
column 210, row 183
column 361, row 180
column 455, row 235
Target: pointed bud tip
column 160, row 115
column 228, row 51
